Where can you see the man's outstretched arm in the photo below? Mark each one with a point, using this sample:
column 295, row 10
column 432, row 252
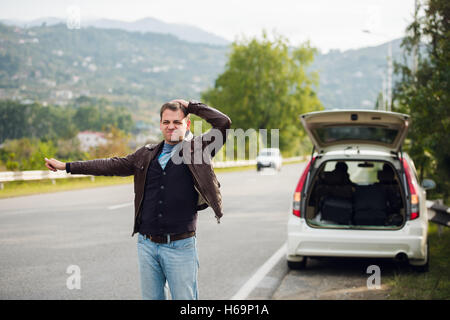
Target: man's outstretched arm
column 115, row 166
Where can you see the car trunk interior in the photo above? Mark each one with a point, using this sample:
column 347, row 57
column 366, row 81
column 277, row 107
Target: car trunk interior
column 357, row 195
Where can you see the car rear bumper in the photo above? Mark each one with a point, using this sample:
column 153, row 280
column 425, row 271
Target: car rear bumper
column 265, row 164
column 304, row 240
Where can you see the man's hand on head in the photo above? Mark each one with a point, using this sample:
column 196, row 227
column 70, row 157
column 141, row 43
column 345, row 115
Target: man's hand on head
column 184, row 103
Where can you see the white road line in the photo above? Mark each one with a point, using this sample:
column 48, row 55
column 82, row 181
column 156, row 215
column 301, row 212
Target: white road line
column 251, row 284
column 118, row 206
column 25, row 211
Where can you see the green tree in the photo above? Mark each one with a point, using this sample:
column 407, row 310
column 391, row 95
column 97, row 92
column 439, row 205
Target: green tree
column 100, row 117
column 87, row 118
column 34, row 121
column 12, row 120
column 27, row 154
column 265, row 86
column 424, row 94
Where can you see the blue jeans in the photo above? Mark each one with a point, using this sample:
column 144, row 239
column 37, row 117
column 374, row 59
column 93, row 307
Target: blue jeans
column 175, row 262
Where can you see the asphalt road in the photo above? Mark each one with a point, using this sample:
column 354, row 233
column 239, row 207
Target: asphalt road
column 42, row 235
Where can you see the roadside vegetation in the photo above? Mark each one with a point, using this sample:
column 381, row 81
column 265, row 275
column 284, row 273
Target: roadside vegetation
column 423, row 93
column 434, row 284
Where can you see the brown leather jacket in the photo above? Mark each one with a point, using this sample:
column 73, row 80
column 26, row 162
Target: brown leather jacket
column 137, row 163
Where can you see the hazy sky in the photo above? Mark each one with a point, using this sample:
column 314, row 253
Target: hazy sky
column 326, row 23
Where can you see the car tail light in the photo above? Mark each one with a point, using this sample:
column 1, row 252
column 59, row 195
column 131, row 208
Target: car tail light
column 412, row 186
column 298, row 191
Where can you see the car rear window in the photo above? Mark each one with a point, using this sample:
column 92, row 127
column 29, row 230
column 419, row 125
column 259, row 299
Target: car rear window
column 342, row 133
column 360, row 172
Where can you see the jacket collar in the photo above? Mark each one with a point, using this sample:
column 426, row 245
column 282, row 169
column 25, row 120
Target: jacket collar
column 151, row 146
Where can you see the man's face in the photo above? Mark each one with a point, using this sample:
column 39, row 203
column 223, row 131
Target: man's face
column 174, row 125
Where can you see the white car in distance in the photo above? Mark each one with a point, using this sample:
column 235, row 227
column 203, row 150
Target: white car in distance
column 269, row 158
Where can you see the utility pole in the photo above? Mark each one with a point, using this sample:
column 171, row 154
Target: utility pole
column 388, row 94
column 389, row 82
column 416, row 41
column 383, row 92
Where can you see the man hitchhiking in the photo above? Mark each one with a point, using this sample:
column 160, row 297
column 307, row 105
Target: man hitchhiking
column 172, row 181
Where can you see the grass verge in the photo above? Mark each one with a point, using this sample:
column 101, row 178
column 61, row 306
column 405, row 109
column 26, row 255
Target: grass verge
column 434, row 284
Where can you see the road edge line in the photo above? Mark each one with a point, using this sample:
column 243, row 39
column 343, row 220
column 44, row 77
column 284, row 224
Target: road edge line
column 122, row 205
column 251, row 283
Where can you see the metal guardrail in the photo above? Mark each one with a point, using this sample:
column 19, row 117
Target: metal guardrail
column 35, row 175
column 8, row 176
column 438, row 213
column 231, row 164
column 242, row 163
column 28, row 175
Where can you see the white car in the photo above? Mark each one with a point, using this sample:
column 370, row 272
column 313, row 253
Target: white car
column 269, row 158
column 359, row 196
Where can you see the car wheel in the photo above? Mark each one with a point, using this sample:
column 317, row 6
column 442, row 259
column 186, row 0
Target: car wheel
column 426, row 266
column 294, row 265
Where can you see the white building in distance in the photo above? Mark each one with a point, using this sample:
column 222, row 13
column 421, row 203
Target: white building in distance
column 89, row 139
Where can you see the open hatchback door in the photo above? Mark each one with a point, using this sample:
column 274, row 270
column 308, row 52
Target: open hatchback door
column 334, row 128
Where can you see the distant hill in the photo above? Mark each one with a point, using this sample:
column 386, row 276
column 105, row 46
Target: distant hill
column 54, row 64
column 181, row 31
column 354, row 78
column 49, row 21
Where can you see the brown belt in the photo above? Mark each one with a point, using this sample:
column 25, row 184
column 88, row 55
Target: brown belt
column 167, row 238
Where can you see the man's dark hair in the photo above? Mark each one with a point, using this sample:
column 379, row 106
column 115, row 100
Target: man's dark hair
column 174, row 106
